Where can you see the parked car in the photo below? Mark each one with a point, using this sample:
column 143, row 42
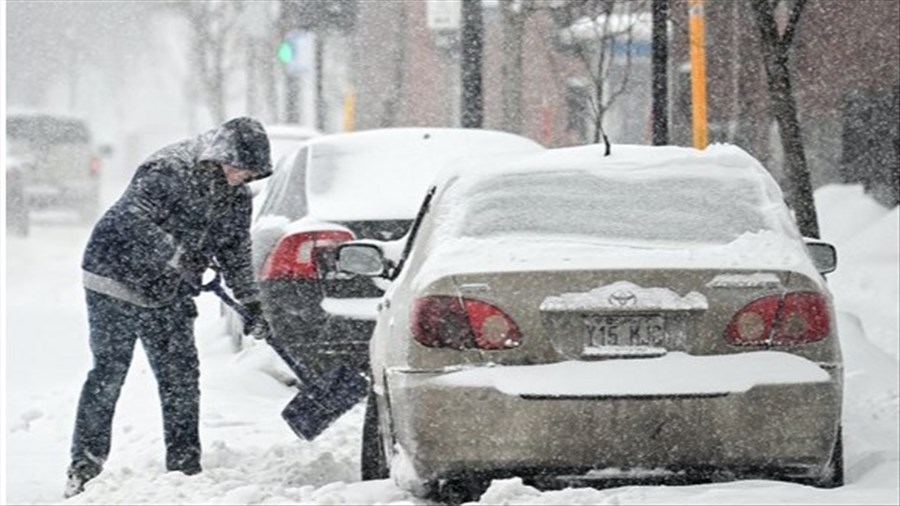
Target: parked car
column 334, row 189
column 17, row 220
column 65, row 169
column 571, row 318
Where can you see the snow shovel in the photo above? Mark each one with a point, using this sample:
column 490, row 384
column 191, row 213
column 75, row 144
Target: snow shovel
column 319, row 401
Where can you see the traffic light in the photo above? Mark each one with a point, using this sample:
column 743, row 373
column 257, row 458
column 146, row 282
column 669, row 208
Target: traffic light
column 286, row 52
column 296, row 52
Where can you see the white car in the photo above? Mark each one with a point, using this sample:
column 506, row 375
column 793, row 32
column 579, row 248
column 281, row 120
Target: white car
column 65, row 163
column 569, row 317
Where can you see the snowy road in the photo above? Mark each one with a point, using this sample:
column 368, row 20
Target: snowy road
column 251, row 457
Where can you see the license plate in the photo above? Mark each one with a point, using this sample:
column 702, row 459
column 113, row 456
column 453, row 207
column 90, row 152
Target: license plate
column 637, row 330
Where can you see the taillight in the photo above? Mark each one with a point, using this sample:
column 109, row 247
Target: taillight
column 295, row 255
column 798, row 318
column 804, row 318
column 441, row 321
column 94, row 166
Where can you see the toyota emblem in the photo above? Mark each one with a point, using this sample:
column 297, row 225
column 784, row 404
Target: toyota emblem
column 623, row 298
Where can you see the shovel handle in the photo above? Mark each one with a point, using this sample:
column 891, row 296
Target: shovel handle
column 215, row 286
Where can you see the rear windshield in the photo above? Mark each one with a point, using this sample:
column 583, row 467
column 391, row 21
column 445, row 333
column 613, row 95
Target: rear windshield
column 44, row 130
column 286, row 189
column 617, row 210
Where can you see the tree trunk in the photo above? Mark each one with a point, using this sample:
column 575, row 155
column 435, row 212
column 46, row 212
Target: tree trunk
column 472, row 42
column 659, row 69
column 784, row 108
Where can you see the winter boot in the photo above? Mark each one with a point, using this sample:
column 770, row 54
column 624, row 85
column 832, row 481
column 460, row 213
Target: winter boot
column 77, row 475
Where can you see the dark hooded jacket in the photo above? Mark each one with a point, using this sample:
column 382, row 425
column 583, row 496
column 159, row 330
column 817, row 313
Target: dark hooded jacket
column 177, row 214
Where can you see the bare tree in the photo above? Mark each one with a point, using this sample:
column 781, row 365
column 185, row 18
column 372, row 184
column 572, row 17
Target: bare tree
column 600, row 34
column 216, row 34
column 775, row 49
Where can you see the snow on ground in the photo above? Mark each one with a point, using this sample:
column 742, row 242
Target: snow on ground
column 252, row 457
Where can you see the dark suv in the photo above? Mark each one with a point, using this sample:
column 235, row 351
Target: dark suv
column 64, row 166
column 337, row 188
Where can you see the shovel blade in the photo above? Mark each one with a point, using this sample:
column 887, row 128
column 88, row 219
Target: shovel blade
column 317, row 405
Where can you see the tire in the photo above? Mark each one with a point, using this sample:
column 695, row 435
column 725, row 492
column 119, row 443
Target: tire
column 17, row 218
column 373, row 462
column 20, row 222
column 456, row 490
column 834, row 470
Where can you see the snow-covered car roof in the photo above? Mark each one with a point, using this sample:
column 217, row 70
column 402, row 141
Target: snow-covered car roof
column 285, row 138
column 286, row 130
column 383, row 174
column 632, row 161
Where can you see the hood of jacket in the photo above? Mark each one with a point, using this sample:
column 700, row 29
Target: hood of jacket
column 240, row 142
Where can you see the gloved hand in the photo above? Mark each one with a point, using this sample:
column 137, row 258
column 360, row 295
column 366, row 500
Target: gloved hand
column 256, row 324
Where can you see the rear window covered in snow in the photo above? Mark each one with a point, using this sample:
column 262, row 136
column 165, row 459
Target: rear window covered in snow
column 574, row 203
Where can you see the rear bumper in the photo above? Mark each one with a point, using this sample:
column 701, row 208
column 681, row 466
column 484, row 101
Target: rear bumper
column 455, row 430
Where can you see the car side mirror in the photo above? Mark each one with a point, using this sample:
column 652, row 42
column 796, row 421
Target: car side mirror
column 362, row 259
column 823, row 254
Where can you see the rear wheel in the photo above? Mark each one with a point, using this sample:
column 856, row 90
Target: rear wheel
column 16, row 205
column 457, row 490
column 834, row 471
column 18, row 221
column 373, row 462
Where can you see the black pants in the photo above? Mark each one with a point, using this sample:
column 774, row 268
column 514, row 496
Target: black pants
column 167, row 334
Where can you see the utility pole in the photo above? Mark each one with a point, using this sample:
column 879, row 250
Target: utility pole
column 660, row 61
column 698, row 73
column 292, row 102
column 470, row 64
column 287, row 55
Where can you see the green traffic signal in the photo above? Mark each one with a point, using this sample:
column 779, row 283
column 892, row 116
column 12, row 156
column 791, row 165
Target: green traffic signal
column 285, row 52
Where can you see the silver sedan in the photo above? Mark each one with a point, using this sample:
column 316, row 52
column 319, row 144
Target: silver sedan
column 570, row 317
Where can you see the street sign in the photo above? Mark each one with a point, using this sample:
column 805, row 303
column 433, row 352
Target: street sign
column 444, row 14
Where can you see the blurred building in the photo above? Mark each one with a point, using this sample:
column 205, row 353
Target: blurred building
column 845, row 71
column 845, row 65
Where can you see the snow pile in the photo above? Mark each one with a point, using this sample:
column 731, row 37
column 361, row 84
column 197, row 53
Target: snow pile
column 624, row 295
column 867, row 280
column 674, row 374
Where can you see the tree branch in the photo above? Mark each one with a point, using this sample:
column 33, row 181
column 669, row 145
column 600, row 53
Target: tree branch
column 792, row 23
